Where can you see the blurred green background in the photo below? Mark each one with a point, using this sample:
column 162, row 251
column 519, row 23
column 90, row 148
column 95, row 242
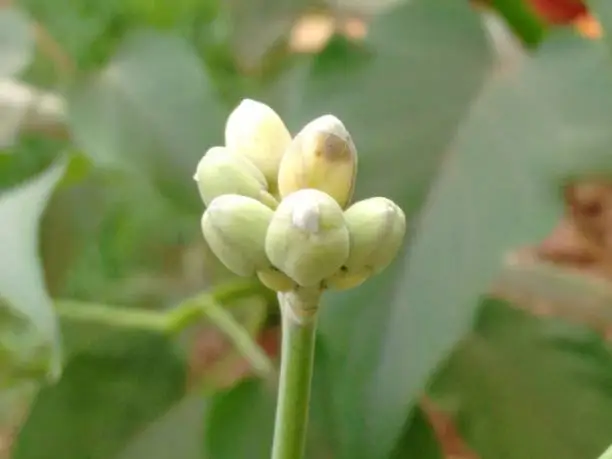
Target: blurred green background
column 477, row 118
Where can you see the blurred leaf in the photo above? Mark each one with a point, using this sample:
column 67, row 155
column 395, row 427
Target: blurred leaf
column 602, row 10
column 176, row 434
column 520, row 384
column 71, row 221
column 607, row 454
column 151, row 109
column 240, row 422
column 534, row 126
column 521, row 20
column 567, row 293
column 362, row 7
column 247, row 412
column 16, row 41
column 105, row 397
column 16, row 51
column 82, row 30
column 251, row 314
column 419, row 440
column 254, row 27
column 403, row 107
column 29, row 340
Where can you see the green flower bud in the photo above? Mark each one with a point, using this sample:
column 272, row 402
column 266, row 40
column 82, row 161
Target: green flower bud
column 322, row 156
column 307, row 238
column 276, row 280
column 377, row 227
column 235, row 228
column 219, row 172
column 256, row 131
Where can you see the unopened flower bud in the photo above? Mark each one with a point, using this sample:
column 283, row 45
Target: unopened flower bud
column 276, row 280
column 322, row 156
column 256, row 131
column 307, row 238
column 235, row 228
column 219, row 172
column 376, row 227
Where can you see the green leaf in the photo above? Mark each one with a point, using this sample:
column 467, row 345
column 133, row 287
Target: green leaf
column 533, row 127
column 29, row 338
column 607, row 454
column 254, row 27
column 521, row 20
column 106, row 396
column 16, row 42
column 403, row 107
column 602, row 10
column 240, row 422
column 151, row 109
column 419, row 440
column 176, row 434
column 527, row 387
column 247, row 412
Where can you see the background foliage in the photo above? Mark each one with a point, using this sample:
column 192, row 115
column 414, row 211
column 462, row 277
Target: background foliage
column 487, row 121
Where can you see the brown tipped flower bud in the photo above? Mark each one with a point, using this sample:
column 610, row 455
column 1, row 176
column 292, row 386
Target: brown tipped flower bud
column 322, row 156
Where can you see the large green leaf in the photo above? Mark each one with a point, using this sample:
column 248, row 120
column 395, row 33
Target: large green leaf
column 528, row 387
column 607, row 454
column 16, row 42
column 29, row 338
column 521, row 20
column 603, row 12
column 536, row 124
column 176, row 434
column 105, row 396
column 240, row 422
column 247, row 412
column 151, row 108
column 16, row 50
column 419, row 441
column 402, row 97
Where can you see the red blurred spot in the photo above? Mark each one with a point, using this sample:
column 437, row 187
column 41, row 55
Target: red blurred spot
column 558, row 12
column 269, row 340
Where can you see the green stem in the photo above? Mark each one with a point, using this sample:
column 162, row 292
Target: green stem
column 299, row 312
column 241, row 340
column 112, row 316
column 189, row 312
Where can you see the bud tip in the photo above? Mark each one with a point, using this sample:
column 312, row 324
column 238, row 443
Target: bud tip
column 305, row 215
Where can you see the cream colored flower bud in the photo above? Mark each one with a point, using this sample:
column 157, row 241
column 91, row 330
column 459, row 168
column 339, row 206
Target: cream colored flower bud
column 377, row 227
column 276, row 280
column 256, row 131
column 307, row 238
column 219, row 172
column 322, row 156
column 235, row 228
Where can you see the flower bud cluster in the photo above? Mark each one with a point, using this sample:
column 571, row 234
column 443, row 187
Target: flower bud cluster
column 280, row 207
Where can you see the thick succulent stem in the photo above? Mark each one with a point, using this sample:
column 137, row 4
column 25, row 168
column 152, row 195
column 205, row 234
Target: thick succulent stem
column 299, row 312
